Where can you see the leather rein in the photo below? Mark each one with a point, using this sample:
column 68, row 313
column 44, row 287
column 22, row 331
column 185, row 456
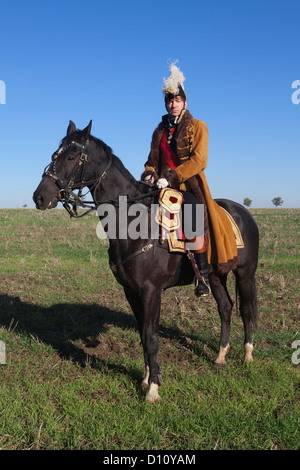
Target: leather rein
column 70, row 200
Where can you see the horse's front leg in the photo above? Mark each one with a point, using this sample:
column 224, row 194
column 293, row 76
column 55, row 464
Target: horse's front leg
column 146, row 309
column 151, row 299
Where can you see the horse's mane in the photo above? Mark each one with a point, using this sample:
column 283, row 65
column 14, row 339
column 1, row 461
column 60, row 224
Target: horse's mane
column 117, row 163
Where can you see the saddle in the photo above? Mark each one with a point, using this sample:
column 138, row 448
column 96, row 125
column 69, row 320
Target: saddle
column 168, row 218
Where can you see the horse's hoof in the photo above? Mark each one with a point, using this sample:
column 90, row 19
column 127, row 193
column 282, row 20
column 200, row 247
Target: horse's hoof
column 248, row 353
column 248, row 361
column 157, row 399
column 220, row 363
column 153, row 396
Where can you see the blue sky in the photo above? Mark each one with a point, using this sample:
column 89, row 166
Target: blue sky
column 105, row 61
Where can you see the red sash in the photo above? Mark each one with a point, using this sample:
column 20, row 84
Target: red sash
column 168, row 154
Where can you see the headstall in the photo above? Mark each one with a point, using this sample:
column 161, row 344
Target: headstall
column 70, row 200
column 66, row 195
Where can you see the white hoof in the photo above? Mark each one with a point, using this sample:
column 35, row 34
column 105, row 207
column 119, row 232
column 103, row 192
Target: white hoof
column 153, row 396
column 220, row 361
column 248, row 353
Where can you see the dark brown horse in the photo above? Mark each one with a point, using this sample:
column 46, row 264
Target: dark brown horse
column 141, row 265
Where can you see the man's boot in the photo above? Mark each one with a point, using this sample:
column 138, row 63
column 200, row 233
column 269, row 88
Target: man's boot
column 202, row 285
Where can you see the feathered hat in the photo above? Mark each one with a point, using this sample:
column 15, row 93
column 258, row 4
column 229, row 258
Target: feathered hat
column 173, row 86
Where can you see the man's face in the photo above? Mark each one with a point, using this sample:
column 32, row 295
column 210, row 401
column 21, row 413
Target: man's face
column 175, row 105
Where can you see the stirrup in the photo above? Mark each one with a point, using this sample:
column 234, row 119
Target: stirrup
column 202, row 288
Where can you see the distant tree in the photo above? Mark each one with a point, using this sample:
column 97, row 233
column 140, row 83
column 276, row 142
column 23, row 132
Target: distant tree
column 247, row 202
column 277, row 201
column 24, row 205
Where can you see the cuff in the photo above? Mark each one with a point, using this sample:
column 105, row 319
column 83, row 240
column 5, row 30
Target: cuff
column 172, row 178
column 148, row 173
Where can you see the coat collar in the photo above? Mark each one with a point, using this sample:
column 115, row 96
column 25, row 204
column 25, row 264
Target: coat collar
column 184, row 118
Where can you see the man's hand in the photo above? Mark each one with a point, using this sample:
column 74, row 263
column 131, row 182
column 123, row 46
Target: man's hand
column 162, row 183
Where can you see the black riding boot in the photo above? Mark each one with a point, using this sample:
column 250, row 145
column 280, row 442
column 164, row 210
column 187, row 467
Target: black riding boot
column 202, row 285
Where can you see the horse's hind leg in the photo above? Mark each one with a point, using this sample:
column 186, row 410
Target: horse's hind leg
column 224, row 302
column 246, row 287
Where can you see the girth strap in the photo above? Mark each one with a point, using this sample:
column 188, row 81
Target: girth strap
column 136, row 253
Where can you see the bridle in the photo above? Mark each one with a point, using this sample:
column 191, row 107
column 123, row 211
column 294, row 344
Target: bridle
column 70, row 200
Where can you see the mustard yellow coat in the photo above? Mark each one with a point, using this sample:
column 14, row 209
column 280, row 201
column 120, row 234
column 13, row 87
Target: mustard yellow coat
column 191, row 146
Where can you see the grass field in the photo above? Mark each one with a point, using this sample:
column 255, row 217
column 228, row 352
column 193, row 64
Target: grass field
column 74, row 360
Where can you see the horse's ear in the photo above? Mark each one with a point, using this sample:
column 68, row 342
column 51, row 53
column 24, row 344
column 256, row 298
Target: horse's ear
column 71, row 128
column 87, row 131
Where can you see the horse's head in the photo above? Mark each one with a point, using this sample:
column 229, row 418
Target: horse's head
column 66, row 169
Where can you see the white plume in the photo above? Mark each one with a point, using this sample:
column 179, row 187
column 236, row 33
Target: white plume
column 176, row 77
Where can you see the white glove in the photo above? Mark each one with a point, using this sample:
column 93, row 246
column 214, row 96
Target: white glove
column 149, row 179
column 162, row 183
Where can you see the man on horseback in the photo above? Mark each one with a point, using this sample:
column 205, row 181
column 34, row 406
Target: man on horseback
column 178, row 157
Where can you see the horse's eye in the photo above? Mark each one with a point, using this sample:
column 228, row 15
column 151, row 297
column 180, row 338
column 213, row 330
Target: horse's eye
column 71, row 157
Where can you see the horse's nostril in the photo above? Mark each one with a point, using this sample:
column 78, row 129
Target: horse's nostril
column 39, row 200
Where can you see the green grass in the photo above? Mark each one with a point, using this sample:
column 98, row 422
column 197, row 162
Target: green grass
column 74, row 359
